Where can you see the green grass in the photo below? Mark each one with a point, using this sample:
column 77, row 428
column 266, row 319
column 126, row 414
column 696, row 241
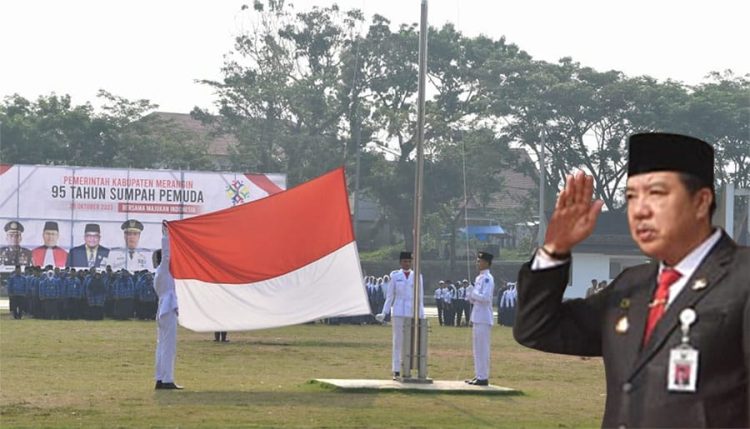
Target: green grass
column 100, row 374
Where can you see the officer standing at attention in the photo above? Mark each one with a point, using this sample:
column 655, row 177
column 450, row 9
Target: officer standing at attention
column 458, row 304
column 674, row 334
column 481, row 319
column 166, row 316
column 439, row 301
column 448, row 314
column 17, row 292
column 400, row 302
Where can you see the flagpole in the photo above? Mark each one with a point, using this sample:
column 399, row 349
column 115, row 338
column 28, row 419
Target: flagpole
column 417, row 340
column 542, row 179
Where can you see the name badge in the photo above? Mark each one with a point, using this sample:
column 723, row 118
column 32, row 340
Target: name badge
column 683, row 370
column 683, row 359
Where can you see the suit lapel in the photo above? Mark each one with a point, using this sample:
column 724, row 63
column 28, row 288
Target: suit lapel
column 637, row 311
column 704, row 280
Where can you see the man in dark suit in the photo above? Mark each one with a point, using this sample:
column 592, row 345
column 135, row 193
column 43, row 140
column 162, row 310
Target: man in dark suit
column 90, row 254
column 674, row 334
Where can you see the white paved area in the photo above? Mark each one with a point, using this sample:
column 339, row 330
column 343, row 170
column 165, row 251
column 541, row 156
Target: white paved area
column 436, row 386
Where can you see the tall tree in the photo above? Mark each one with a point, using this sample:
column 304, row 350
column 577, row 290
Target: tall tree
column 718, row 110
column 284, row 92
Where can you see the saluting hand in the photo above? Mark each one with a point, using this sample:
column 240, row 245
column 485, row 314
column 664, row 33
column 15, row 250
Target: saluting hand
column 575, row 214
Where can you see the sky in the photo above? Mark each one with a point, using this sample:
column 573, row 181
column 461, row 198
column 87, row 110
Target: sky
column 157, row 49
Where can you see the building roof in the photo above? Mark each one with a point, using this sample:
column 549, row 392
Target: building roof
column 611, row 236
column 218, row 143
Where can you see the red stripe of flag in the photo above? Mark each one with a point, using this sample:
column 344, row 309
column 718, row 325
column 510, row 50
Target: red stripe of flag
column 263, row 182
column 266, row 238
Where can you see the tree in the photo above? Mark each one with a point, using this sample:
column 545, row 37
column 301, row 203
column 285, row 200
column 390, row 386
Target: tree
column 284, row 94
column 54, row 131
column 51, row 131
column 719, row 112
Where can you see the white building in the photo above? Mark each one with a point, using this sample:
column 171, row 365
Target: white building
column 603, row 255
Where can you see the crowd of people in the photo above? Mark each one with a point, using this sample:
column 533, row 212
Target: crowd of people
column 67, row 293
column 452, row 302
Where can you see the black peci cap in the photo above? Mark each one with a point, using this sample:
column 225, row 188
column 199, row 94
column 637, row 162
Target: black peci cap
column 92, row 228
column 650, row 152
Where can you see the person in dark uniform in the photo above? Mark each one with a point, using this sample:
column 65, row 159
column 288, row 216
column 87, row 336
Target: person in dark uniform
column 147, row 300
column 17, row 293
column 221, row 336
column 459, row 302
column 123, row 293
column 72, row 294
column 439, row 301
column 13, row 253
column 50, row 294
column 684, row 317
column 90, row 253
column 96, row 293
column 33, row 278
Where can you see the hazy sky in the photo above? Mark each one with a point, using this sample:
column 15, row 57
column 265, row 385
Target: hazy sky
column 155, row 49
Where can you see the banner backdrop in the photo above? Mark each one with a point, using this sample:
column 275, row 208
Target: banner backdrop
column 70, row 198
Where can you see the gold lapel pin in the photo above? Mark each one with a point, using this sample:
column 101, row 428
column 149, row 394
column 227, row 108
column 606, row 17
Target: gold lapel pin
column 700, row 284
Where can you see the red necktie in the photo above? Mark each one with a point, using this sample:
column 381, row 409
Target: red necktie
column 667, row 277
column 406, row 273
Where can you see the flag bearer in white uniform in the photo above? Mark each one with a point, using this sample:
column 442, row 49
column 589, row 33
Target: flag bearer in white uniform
column 481, row 319
column 166, row 316
column 400, row 297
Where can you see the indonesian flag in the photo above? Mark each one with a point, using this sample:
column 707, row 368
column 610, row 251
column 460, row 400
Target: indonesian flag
column 286, row 259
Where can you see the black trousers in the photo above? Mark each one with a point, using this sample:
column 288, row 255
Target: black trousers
column 96, row 312
column 17, row 305
column 123, row 308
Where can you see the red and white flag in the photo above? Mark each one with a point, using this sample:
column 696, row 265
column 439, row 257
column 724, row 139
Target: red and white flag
column 286, row 259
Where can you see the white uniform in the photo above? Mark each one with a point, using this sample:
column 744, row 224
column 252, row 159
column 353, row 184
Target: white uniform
column 166, row 318
column 481, row 318
column 139, row 259
column 399, row 302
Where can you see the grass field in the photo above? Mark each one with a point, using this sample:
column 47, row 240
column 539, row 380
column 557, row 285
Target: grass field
column 100, row 374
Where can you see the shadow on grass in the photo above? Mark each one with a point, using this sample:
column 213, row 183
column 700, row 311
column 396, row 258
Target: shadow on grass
column 319, row 398
column 300, row 343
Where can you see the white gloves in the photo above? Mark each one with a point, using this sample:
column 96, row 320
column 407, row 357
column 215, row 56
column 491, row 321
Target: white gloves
column 380, row 317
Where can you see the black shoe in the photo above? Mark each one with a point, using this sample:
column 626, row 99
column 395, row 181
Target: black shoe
column 479, row 382
column 169, row 386
column 396, row 375
column 158, row 384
